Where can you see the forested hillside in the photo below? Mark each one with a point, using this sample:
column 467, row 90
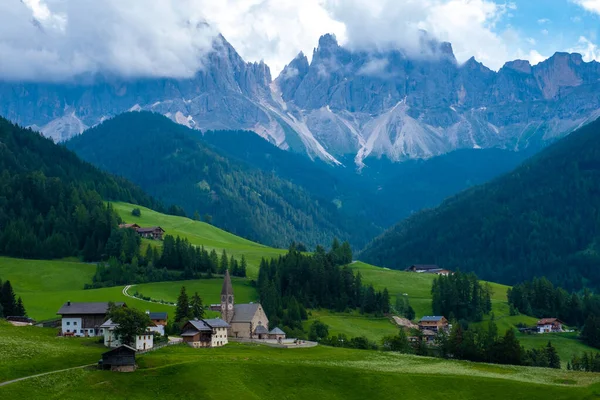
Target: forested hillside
column 51, row 202
column 541, row 219
column 382, row 191
column 171, row 163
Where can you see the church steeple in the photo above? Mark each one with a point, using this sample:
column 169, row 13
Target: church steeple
column 227, row 299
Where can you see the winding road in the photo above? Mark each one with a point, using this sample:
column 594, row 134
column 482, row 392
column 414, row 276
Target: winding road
column 126, row 294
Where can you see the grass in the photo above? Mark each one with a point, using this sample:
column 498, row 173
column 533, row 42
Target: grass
column 353, row 324
column 567, row 345
column 29, row 350
column 257, row 372
column 201, row 234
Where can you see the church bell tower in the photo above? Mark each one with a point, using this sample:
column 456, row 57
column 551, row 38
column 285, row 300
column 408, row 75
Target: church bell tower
column 227, row 299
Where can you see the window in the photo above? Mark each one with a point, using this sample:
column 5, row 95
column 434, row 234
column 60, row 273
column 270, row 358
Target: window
column 68, row 331
column 81, row 331
column 74, row 322
column 68, row 323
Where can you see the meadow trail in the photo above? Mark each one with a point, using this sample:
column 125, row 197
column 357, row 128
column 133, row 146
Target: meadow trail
column 43, row 374
column 126, row 294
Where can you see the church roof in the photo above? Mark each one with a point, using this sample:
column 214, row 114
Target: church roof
column 227, row 288
column 244, row 312
column 277, row 331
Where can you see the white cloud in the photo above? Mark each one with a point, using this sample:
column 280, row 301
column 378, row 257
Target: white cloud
column 589, row 5
column 374, row 67
column 531, row 41
column 588, row 50
column 544, row 32
column 54, row 39
column 543, row 21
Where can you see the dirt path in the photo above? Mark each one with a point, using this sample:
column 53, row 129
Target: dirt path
column 45, row 373
column 125, row 293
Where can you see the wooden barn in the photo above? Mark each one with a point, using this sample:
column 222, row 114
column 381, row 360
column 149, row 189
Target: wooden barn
column 121, row 359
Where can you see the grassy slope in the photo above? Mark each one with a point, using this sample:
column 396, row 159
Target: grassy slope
column 201, row 234
column 256, row 372
column 29, row 350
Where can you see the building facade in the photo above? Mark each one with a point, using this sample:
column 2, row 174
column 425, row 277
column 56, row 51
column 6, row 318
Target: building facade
column 434, row 323
column 549, row 325
column 205, row 333
column 84, row 319
column 143, row 341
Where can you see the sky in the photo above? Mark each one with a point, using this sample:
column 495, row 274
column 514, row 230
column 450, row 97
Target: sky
column 49, row 40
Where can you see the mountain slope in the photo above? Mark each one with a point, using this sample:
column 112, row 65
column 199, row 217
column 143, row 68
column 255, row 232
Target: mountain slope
column 52, row 203
column 344, row 104
column 541, row 219
column 168, row 161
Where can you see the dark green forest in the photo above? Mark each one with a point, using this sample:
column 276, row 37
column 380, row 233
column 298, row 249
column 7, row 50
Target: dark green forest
column 542, row 219
column 171, row 163
column 461, row 297
column 51, row 202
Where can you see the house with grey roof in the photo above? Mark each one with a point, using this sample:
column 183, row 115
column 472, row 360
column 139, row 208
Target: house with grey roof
column 428, row 269
column 84, row 319
column 277, row 334
column 205, row 332
column 247, row 321
column 159, row 321
column 434, row 323
column 143, row 341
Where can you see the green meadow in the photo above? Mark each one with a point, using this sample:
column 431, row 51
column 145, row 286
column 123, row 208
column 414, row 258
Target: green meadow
column 257, row 372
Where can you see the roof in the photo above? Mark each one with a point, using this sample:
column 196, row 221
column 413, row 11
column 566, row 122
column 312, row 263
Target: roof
column 276, row 331
column 199, row 325
column 424, row 267
column 149, row 230
column 547, row 321
column 189, row 333
column 244, row 312
column 108, row 324
column 227, row 288
column 86, row 308
column 434, row 318
column 216, row 323
column 125, row 226
column 261, row 330
column 121, row 347
column 158, row 315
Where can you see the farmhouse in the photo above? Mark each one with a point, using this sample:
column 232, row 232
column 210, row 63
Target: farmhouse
column 433, row 323
column 547, row 325
column 155, row 232
column 205, row 332
column 84, row 319
column 429, row 269
column 129, row 226
column 144, row 341
column 247, row 321
column 121, row 359
column 159, row 321
column 427, row 335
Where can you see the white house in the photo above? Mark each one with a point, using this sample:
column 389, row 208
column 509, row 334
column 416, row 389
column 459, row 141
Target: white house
column 548, row 325
column 144, row 341
column 83, row 319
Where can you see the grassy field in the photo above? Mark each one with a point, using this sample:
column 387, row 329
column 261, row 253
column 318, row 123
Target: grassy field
column 29, row 350
column 257, row 372
column 353, row 324
column 201, row 234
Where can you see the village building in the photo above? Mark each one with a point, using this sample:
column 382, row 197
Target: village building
column 277, row 334
column 155, row 232
column 549, row 325
column 205, row 332
column 143, row 341
column 427, row 335
column 159, row 321
column 247, row 321
column 129, row 226
column 84, row 319
column 429, row 269
column 433, row 323
column 120, row 359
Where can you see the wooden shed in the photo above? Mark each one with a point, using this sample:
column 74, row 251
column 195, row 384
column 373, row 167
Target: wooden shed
column 120, row 359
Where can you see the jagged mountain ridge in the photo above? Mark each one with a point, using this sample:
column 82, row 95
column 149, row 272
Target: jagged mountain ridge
column 358, row 103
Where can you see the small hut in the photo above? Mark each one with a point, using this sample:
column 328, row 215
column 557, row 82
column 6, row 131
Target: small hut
column 277, row 334
column 261, row 332
column 121, row 359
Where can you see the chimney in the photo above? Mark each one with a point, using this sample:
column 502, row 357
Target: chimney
column 69, row 303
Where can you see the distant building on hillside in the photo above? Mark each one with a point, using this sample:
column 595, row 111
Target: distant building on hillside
column 548, row 325
column 155, row 232
column 84, row 319
column 433, row 323
column 247, row 321
column 121, row 359
column 159, row 321
column 429, row 269
column 129, row 226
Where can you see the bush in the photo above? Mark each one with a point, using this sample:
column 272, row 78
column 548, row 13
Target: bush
column 136, row 212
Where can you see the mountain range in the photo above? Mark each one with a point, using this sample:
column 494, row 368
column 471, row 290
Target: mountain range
column 344, row 106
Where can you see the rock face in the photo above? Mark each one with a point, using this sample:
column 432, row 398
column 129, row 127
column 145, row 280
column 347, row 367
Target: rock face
column 343, row 103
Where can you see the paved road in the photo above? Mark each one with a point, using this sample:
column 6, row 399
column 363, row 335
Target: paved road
column 45, row 373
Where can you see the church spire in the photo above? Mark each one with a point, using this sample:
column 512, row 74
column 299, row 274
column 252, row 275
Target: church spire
column 227, row 288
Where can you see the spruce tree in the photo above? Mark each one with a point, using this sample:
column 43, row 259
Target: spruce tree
column 224, row 264
column 553, row 358
column 8, row 299
column 182, row 311
column 21, row 308
column 197, row 306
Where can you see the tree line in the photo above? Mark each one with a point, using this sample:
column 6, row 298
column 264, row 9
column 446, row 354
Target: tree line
column 293, row 282
column 461, row 296
column 10, row 304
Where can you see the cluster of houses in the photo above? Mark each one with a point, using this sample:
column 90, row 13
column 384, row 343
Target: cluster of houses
column 429, row 269
column 240, row 321
column 153, row 232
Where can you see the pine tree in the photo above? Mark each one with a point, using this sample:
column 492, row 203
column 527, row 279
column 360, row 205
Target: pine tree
column 182, row 311
column 553, row 358
column 8, row 299
column 197, row 307
column 224, row 264
column 243, row 267
column 21, row 308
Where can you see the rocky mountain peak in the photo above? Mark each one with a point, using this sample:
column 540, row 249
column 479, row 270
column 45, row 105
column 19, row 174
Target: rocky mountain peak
column 522, row 66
